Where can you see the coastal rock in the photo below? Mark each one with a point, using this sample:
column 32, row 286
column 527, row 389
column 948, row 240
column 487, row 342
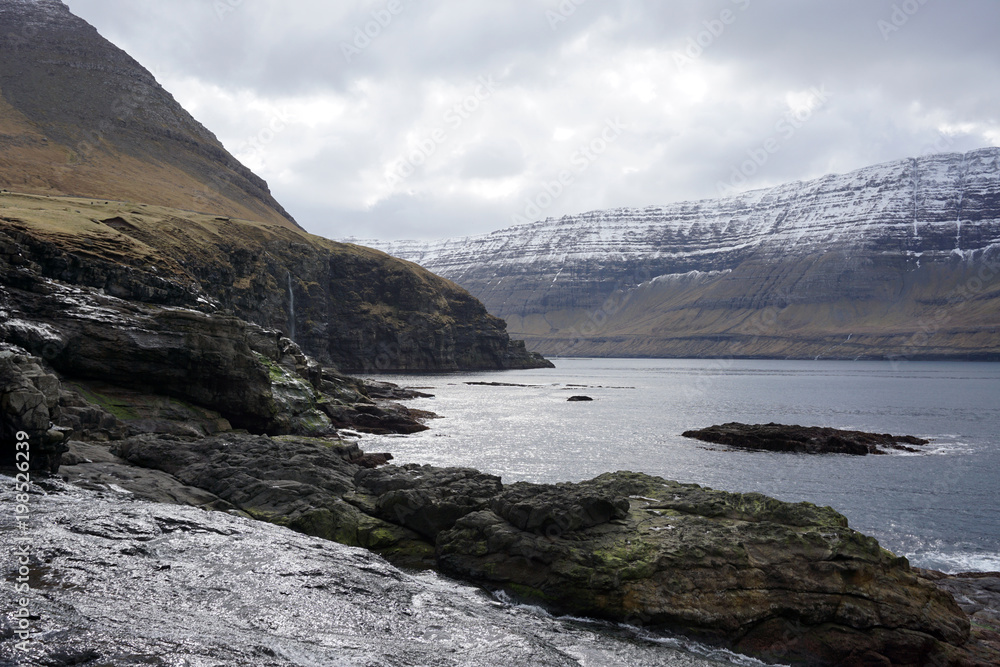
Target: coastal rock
column 119, row 581
column 253, row 378
column 780, row 581
column 349, row 307
column 804, row 439
column 29, row 403
column 577, row 399
column 426, row 499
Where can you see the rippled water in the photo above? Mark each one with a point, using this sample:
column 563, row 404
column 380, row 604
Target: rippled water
column 940, row 508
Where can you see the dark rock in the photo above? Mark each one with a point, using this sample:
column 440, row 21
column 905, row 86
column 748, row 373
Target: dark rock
column 572, row 399
column 803, row 439
column 427, row 499
column 783, row 582
column 978, row 594
column 29, row 404
column 552, row 510
column 392, row 391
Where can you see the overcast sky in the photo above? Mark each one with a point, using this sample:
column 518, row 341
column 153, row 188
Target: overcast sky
column 426, row 119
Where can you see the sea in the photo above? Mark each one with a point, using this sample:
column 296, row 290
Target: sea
column 940, row 507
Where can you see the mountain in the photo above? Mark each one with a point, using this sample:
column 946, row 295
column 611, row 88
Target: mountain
column 110, row 184
column 79, row 116
column 898, row 260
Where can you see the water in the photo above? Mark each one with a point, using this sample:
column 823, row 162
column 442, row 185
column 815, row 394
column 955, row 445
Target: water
column 940, row 508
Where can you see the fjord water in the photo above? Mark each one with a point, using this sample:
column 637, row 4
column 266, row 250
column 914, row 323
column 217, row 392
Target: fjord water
column 940, row 508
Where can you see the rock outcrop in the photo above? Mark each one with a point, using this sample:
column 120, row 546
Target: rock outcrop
column 804, row 439
column 896, row 260
column 350, row 307
column 782, row 581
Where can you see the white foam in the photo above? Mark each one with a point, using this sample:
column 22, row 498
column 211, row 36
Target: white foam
column 956, row 562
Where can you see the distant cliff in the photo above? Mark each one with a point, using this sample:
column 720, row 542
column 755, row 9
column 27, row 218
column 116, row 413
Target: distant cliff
column 897, row 260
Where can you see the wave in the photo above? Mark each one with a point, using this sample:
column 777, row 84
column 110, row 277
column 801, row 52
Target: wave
column 955, row 562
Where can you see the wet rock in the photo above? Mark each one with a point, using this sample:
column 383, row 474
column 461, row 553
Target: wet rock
column 29, row 404
column 776, row 580
column 426, row 499
column 573, row 399
column 133, row 582
column 803, row 439
column 978, row 594
column 392, row 391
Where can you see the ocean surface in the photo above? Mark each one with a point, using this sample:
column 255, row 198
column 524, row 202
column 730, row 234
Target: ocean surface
column 940, row 508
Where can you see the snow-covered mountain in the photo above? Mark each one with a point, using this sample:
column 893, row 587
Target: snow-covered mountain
column 866, row 254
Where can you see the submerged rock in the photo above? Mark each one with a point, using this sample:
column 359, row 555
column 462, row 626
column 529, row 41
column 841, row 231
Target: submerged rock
column 803, row 439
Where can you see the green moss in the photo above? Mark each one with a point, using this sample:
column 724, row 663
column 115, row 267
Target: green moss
column 531, row 593
column 120, row 410
column 269, row 517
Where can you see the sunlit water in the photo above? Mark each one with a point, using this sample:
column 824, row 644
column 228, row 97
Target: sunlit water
column 940, row 508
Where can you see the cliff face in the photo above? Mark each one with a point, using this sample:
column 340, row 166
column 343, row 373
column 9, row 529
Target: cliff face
column 900, row 259
column 79, row 116
column 348, row 306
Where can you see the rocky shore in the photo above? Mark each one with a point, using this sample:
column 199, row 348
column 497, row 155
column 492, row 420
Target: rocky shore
column 176, row 405
column 804, row 439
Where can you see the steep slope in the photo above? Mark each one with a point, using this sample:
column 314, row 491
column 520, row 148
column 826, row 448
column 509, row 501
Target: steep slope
column 79, row 116
column 900, row 259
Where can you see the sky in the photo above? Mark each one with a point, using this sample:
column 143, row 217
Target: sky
column 410, row 119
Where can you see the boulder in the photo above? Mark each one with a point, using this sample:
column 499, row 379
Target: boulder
column 426, row 499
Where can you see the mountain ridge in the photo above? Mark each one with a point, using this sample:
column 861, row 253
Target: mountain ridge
column 905, row 235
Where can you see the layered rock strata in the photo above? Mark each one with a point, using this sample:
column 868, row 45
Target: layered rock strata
column 896, row 260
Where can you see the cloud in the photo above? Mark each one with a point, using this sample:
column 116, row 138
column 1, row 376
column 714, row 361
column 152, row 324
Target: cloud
column 371, row 118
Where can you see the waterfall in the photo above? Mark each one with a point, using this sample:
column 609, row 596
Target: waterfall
column 291, row 308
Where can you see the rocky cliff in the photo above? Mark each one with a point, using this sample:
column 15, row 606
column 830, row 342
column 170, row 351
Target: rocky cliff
column 896, row 260
column 347, row 306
